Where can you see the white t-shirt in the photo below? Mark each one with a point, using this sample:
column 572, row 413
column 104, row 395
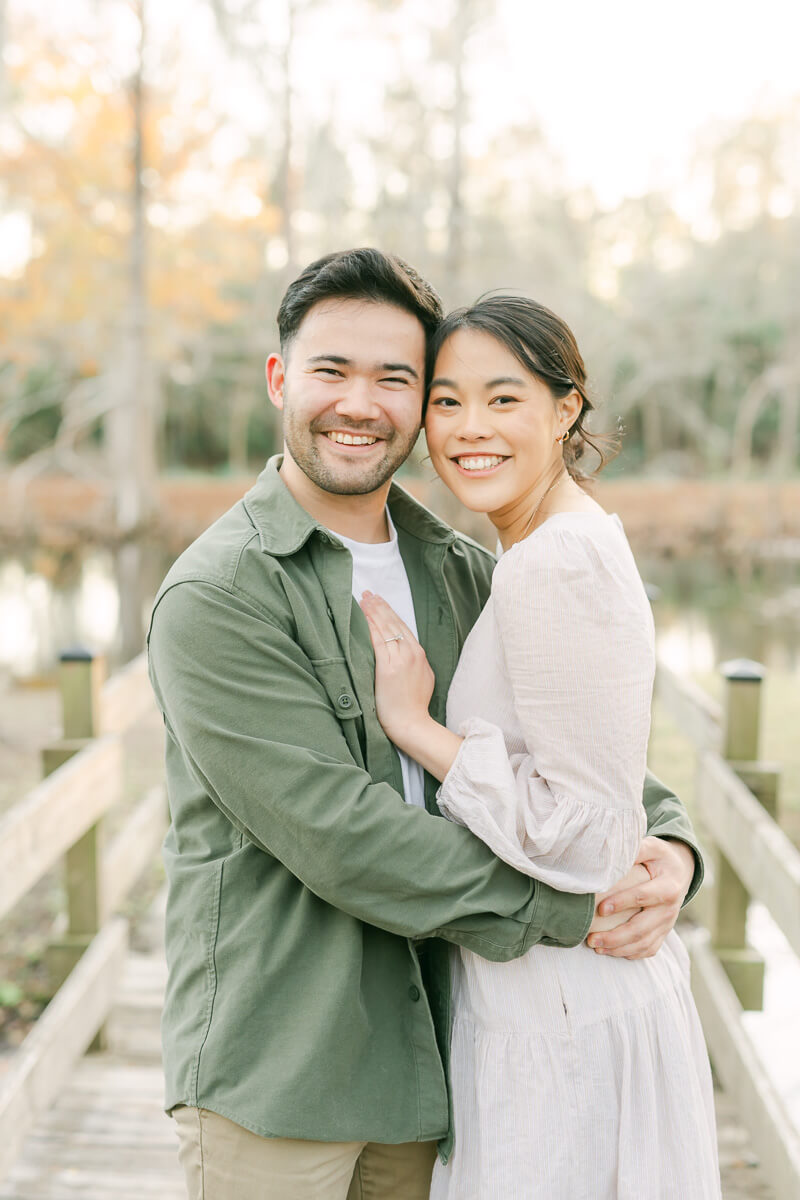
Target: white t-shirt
column 379, row 568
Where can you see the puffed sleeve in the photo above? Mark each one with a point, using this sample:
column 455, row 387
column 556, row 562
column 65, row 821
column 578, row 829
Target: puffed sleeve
column 576, row 633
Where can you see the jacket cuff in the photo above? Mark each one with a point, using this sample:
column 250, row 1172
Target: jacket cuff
column 560, row 918
column 699, row 866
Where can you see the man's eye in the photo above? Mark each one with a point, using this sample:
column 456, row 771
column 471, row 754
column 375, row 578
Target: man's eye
column 393, row 379
column 327, row 371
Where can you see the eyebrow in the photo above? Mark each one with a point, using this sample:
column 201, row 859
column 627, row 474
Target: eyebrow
column 442, row 382
column 348, row 362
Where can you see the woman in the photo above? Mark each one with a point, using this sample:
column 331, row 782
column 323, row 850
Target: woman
column 575, row 1077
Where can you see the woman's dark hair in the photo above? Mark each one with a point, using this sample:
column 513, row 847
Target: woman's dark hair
column 360, row 274
column 545, row 345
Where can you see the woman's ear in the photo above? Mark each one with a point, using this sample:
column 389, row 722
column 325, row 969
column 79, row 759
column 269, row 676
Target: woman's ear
column 569, row 408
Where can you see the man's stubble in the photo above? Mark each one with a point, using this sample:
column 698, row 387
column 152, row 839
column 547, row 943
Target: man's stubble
column 352, row 479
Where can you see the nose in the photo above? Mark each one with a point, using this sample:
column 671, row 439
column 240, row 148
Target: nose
column 358, row 402
column 474, row 424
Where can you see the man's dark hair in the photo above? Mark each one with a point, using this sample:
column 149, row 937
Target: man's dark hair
column 361, row 274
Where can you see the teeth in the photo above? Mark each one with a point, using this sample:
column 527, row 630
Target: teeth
column 475, row 463
column 349, row 439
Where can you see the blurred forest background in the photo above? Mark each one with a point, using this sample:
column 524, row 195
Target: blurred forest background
column 167, row 167
column 148, row 227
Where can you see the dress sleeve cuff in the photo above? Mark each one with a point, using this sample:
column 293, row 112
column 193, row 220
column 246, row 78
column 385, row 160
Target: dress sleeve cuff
column 574, row 845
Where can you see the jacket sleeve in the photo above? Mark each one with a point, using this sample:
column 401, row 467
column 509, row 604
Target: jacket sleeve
column 257, row 731
column 667, row 818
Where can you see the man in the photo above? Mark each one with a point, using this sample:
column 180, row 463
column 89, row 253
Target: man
column 313, row 887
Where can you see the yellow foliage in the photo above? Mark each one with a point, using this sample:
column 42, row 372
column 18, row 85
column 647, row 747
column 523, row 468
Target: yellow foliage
column 70, row 169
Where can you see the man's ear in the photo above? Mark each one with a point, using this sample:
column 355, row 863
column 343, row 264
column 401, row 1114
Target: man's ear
column 275, row 379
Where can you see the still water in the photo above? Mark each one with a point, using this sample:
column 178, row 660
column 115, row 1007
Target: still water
column 706, row 611
column 52, row 600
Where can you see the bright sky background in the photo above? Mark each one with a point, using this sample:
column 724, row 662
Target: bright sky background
column 623, row 89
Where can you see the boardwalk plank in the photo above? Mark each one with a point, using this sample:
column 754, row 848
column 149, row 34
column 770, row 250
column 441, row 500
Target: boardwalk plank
column 107, row 1136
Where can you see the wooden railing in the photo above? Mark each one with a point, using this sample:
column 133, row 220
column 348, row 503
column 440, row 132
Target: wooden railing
column 748, row 857
column 62, row 819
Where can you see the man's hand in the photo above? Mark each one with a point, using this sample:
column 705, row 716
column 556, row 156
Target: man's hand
column 670, row 866
column 637, row 876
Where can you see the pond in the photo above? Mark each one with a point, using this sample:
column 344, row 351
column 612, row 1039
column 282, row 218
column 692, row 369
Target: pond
column 706, row 611
column 52, row 600
column 709, row 610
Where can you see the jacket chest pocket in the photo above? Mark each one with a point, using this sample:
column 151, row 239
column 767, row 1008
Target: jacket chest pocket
column 334, row 676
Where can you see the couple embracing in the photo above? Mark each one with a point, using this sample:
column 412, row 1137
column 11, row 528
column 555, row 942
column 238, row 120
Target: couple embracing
column 403, row 776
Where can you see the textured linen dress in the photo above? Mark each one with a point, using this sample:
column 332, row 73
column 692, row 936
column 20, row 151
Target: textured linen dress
column 575, row 1076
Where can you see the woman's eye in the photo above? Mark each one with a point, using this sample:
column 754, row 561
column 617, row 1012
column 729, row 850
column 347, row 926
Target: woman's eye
column 445, row 402
column 505, row 400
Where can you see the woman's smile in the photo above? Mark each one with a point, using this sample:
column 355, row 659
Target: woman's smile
column 479, row 465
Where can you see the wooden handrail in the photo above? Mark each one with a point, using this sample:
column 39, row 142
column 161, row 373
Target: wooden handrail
column 126, row 697
column 134, row 847
column 762, row 1110
column 38, row 830
column 763, row 857
column 698, row 716
column 737, row 795
column 61, row 818
column 39, row 1068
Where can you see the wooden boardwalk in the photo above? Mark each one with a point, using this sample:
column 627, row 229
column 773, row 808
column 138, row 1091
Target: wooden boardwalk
column 95, row 1126
column 107, row 1138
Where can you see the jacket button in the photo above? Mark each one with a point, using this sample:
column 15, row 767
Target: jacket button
column 413, row 992
column 345, row 701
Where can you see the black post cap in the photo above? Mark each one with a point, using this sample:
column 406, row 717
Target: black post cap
column 75, row 654
column 743, row 670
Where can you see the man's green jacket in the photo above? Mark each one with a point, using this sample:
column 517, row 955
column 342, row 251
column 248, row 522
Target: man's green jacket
column 309, row 905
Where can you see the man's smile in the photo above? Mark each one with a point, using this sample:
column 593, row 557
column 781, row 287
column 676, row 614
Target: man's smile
column 349, row 442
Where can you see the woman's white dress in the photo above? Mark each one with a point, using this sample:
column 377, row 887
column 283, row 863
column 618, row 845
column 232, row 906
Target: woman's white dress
column 575, row 1076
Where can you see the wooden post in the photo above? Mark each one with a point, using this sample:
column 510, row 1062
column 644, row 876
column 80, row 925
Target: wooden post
column 741, row 729
column 80, row 678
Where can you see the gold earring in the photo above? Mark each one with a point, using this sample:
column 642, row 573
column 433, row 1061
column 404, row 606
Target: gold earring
column 563, row 437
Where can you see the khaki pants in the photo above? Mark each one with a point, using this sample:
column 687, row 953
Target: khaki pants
column 223, row 1161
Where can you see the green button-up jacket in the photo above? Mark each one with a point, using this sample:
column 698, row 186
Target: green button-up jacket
column 309, row 906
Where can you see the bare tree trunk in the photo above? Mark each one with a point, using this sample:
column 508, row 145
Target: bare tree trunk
column 284, row 190
column 455, row 241
column 4, row 426
column 241, row 408
column 131, row 427
column 785, row 459
column 652, row 429
column 2, row 61
column 746, row 416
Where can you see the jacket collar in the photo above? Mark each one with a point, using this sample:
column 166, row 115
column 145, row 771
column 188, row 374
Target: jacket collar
column 284, row 526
